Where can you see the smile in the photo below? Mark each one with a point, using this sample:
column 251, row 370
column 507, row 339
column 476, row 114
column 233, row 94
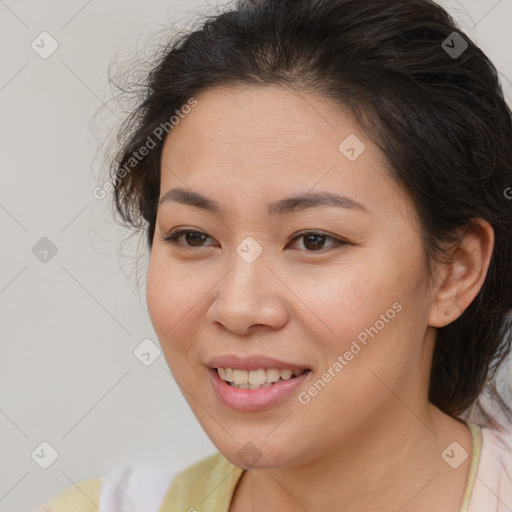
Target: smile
column 256, row 379
column 246, row 397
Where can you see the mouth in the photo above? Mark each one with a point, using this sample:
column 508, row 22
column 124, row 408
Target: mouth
column 256, row 390
column 257, row 379
column 256, row 382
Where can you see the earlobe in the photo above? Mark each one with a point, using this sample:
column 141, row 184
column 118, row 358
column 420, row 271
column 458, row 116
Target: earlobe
column 461, row 279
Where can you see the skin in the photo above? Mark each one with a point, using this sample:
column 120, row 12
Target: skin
column 370, row 439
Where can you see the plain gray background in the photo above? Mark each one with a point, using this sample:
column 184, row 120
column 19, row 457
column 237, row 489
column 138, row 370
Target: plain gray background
column 70, row 321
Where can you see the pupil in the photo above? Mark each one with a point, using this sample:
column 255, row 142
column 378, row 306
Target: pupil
column 310, row 237
column 189, row 235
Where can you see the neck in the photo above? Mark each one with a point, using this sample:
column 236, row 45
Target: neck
column 392, row 464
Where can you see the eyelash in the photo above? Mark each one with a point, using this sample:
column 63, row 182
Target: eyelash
column 173, row 236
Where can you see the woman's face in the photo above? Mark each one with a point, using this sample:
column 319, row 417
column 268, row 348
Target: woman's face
column 349, row 302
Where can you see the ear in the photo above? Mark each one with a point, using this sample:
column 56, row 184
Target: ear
column 460, row 280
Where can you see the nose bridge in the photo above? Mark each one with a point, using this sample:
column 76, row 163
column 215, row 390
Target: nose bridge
column 246, row 295
column 249, row 267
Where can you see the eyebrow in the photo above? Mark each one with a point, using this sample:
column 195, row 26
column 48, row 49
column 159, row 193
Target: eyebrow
column 281, row 207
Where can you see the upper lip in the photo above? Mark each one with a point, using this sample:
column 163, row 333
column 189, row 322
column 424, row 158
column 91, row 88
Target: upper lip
column 252, row 363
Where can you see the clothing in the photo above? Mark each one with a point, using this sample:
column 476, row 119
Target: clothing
column 208, row 485
column 492, row 490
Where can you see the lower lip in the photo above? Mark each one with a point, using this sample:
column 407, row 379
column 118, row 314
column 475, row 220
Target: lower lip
column 254, row 399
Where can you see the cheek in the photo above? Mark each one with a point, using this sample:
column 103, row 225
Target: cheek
column 170, row 299
column 177, row 304
column 372, row 316
column 347, row 301
column 156, row 295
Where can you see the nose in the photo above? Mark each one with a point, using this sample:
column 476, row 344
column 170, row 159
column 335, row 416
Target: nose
column 250, row 296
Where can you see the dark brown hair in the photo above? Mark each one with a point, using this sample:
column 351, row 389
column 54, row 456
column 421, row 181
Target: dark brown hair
column 433, row 106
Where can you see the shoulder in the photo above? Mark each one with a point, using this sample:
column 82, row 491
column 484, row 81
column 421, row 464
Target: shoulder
column 493, row 484
column 84, row 496
column 208, row 484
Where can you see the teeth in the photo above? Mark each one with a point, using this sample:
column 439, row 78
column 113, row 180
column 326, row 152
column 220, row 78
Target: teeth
column 256, row 378
column 240, row 376
column 273, row 375
column 250, row 386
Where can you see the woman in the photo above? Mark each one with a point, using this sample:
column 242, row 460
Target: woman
column 323, row 185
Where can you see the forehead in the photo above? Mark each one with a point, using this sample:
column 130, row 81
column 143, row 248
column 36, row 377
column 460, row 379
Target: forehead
column 264, row 118
column 272, row 141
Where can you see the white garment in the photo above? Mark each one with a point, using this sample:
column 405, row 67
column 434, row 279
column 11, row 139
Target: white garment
column 134, row 489
column 492, row 491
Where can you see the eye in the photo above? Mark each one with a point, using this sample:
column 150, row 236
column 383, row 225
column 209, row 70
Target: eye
column 196, row 238
column 313, row 240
